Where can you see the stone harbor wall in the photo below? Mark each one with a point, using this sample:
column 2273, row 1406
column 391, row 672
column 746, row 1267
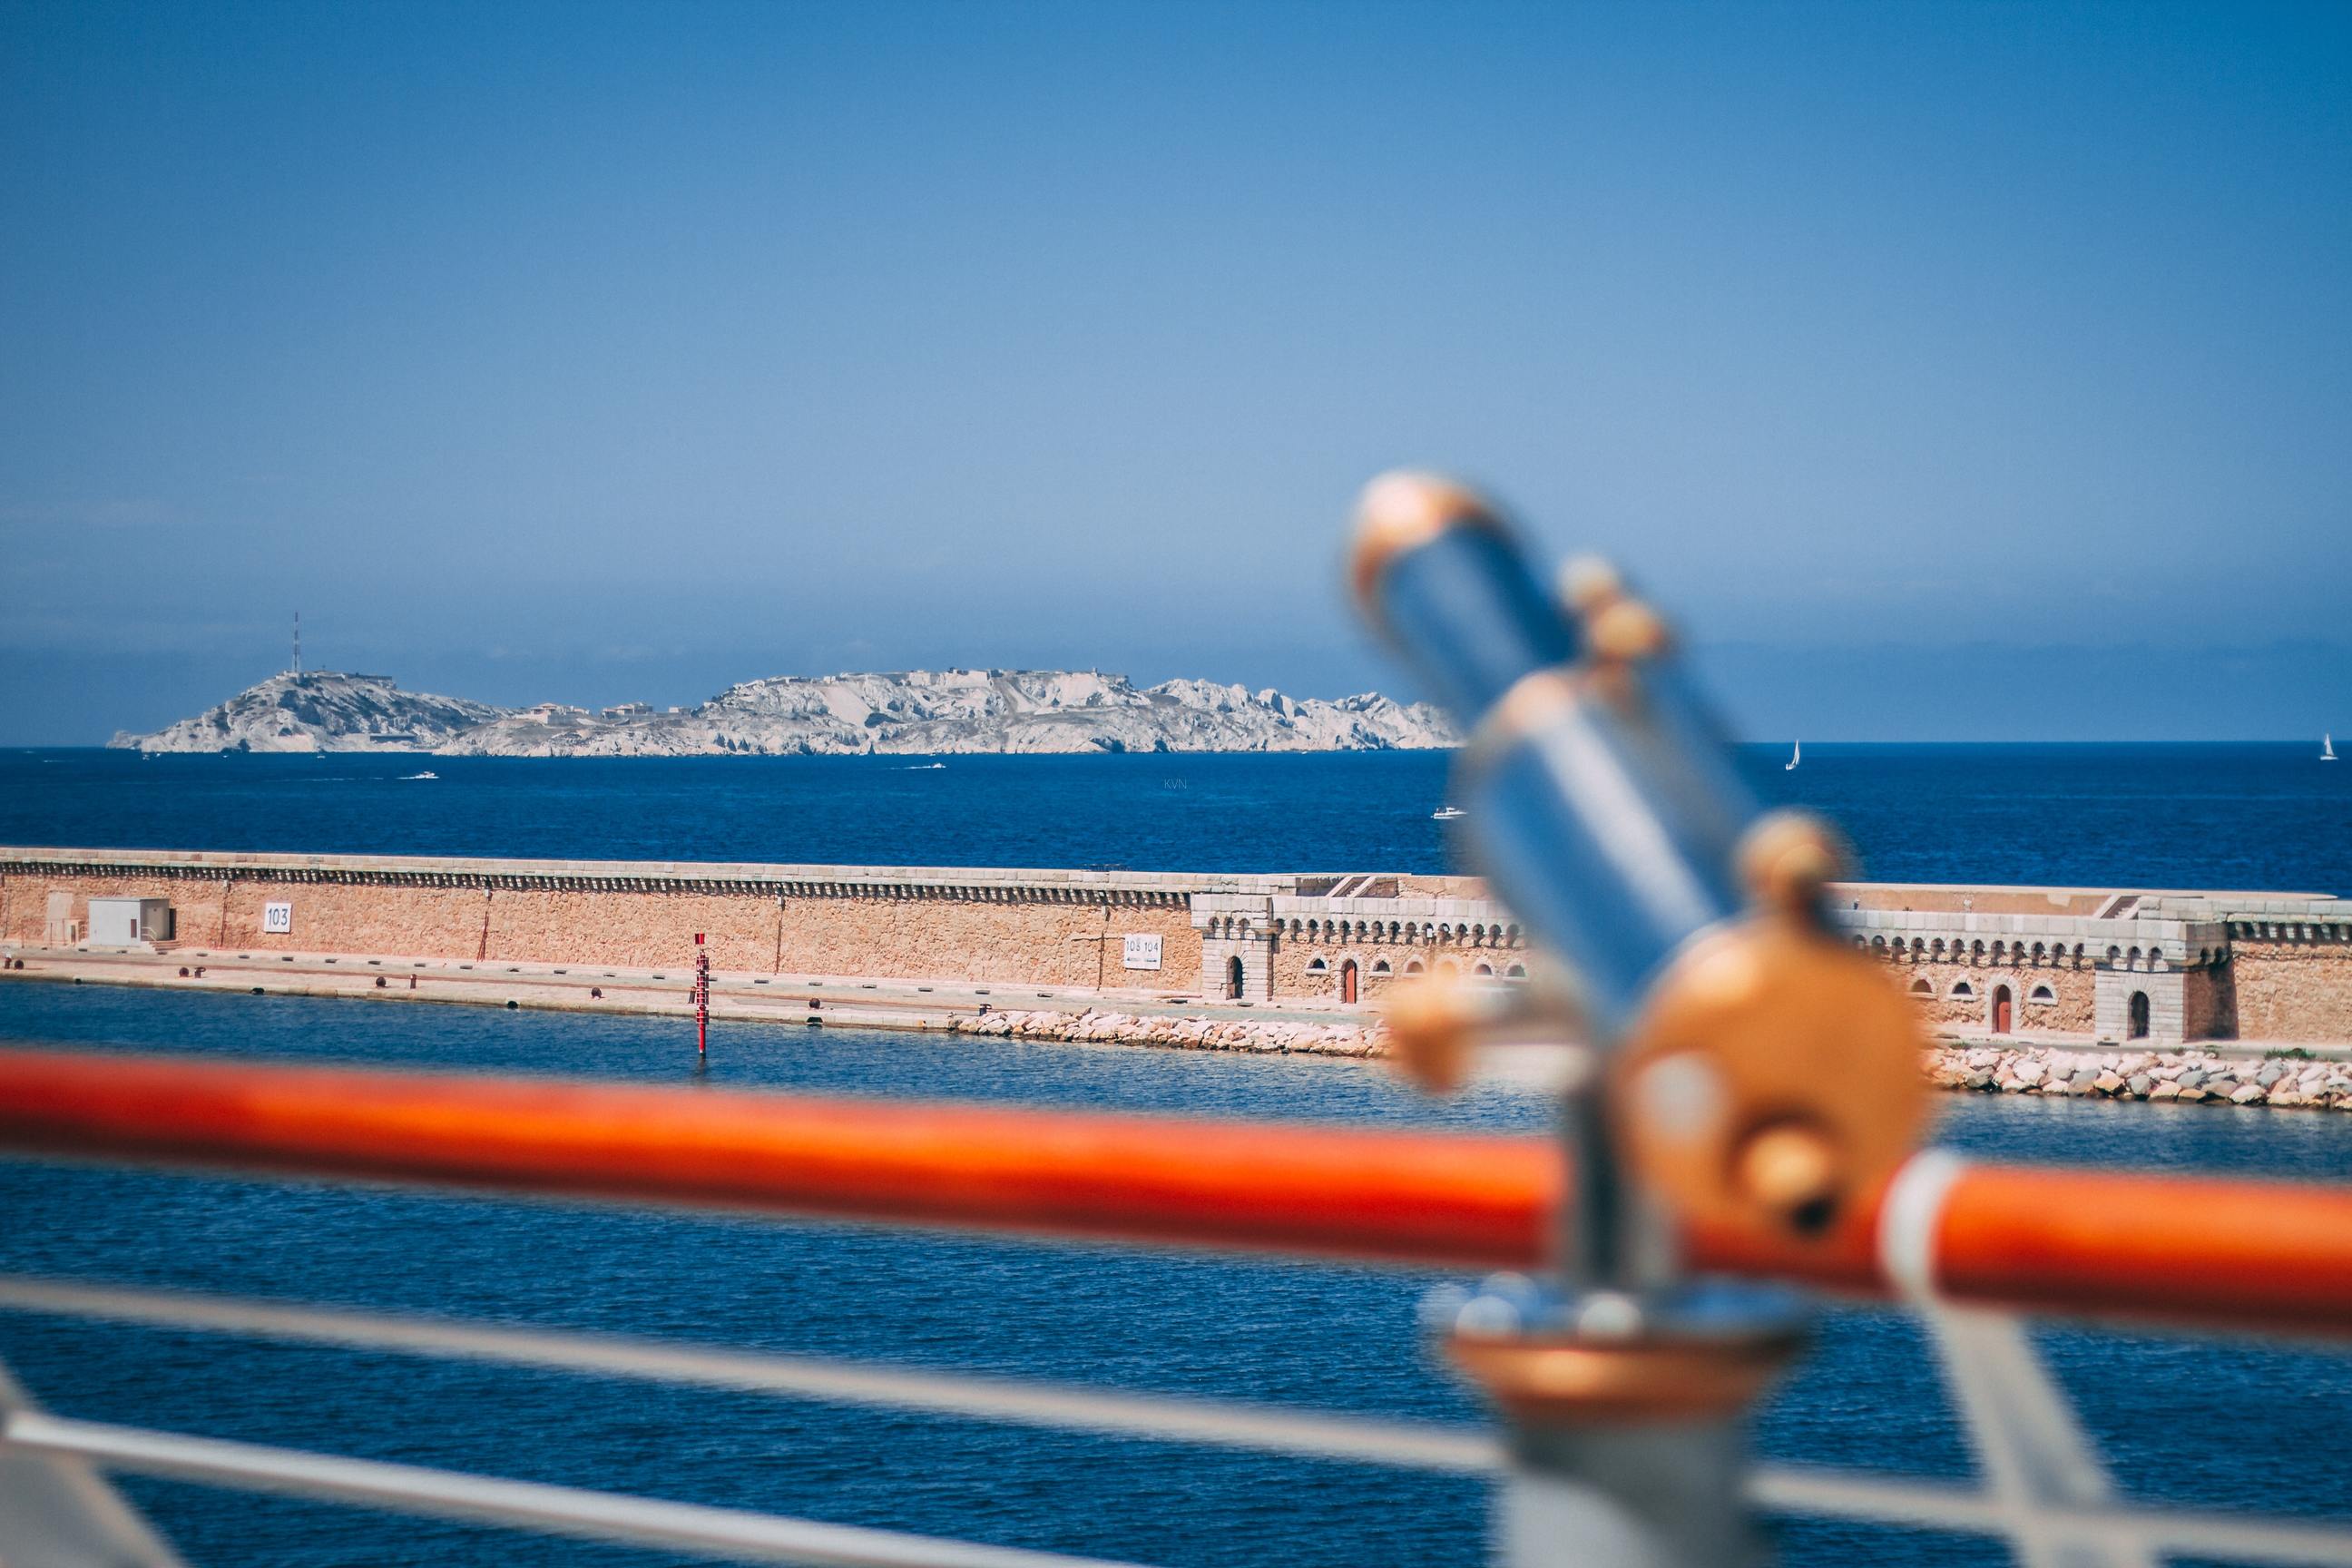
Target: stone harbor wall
column 2055, row 997
column 2292, row 987
column 2140, row 970
column 1048, row 927
column 2208, row 1003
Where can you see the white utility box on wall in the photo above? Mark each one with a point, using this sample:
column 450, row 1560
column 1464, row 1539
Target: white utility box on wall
column 118, row 922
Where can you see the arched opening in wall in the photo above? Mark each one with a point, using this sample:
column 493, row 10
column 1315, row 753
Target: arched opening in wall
column 1516, row 972
column 1233, row 978
column 1923, row 986
column 1413, row 967
column 2041, row 995
column 1348, row 981
column 1962, row 990
column 1487, row 970
column 2137, row 1024
column 1379, row 967
column 1319, row 966
column 2003, row 1008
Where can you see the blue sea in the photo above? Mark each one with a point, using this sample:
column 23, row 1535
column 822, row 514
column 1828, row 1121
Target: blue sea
column 2235, row 816
column 2205, row 1423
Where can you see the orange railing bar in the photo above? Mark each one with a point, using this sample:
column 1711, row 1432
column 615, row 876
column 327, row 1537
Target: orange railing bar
column 1449, row 1201
column 2228, row 1254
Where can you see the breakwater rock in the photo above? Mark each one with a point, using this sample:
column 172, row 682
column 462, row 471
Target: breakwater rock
column 1272, row 1036
column 2184, row 1078
column 2187, row 1078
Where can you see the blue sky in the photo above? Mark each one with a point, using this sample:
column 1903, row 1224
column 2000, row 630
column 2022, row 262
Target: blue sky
column 1971, row 372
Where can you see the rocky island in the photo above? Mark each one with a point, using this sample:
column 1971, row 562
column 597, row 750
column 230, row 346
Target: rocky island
column 912, row 712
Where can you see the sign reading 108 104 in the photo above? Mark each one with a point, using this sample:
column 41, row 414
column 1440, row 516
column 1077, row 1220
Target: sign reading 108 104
column 1140, row 952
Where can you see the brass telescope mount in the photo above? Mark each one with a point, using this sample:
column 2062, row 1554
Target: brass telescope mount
column 1739, row 1069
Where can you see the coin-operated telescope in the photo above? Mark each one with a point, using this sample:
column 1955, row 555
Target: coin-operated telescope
column 1749, row 1075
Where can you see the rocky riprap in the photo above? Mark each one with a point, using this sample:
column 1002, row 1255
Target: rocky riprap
column 2189, row 1077
column 2186, row 1077
column 1271, row 1037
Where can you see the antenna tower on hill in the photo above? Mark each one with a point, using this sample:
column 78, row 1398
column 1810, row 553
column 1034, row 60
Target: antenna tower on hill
column 298, row 642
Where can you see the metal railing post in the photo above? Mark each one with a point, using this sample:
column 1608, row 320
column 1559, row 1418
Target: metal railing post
column 1665, row 1496
column 57, row 1512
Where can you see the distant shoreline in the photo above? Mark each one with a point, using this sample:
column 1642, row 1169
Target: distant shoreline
column 924, row 714
column 2294, row 745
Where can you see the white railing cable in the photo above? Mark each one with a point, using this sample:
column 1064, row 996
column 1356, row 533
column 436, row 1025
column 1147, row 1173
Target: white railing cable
column 1403, row 1445
column 2038, row 1463
column 729, row 1533
column 1166, row 1417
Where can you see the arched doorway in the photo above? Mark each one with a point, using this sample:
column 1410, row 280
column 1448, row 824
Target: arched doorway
column 2138, row 1029
column 2003, row 1009
column 1348, row 981
column 1233, row 978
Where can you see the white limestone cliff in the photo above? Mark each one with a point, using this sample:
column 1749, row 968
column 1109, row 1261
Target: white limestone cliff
column 914, row 713
column 321, row 712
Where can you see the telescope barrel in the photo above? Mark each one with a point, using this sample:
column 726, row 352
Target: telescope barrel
column 1601, row 801
column 1460, row 604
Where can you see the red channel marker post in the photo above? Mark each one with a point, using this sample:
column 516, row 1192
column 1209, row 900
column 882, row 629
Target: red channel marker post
column 701, row 997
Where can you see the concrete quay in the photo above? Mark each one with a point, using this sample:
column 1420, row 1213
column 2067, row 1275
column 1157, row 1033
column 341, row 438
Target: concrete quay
column 2241, row 1073
column 840, row 1001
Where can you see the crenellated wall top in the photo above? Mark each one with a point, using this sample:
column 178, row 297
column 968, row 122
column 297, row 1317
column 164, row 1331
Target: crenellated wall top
column 982, row 884
column 2183, row 926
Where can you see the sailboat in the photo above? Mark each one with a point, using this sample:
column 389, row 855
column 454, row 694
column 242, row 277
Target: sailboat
column 2326, row 748
column 1795, row 757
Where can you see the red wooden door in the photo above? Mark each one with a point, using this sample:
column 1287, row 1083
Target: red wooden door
column 2001, row 1010
column 1348, row 981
